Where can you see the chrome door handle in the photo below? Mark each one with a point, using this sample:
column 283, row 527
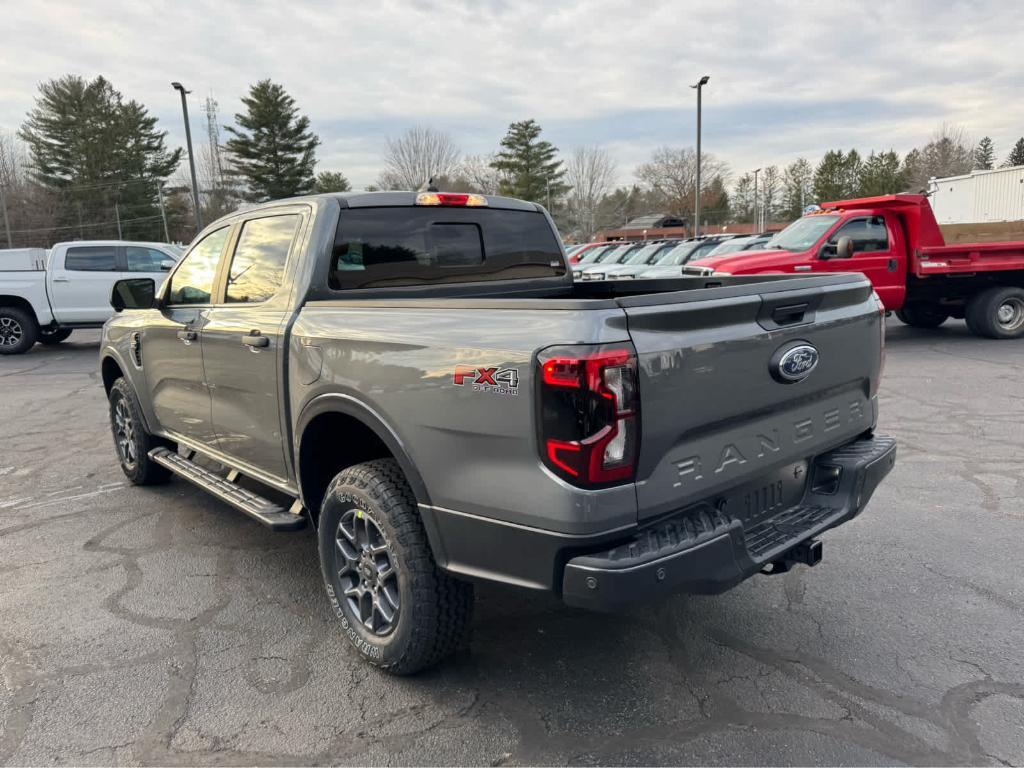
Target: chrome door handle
column 187, row 335
column 801, row 268
column 256, row 339
column 61, row 280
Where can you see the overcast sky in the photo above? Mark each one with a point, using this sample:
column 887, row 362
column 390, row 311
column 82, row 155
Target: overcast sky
column 786, row 80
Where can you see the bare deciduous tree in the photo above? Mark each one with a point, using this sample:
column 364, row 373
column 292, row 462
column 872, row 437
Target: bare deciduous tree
column 949, row 153
column 417, row 156
column 770, row 195
column 673, row 174
column 478, row 174
column 590, row 173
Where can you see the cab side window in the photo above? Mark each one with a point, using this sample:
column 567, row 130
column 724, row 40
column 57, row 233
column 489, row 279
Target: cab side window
column 193, row 282
column 142, row 259
column 257, row 268
column 91, row 258
column 869, row 235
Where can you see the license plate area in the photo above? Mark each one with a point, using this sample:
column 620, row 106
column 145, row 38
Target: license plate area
column 767, row 495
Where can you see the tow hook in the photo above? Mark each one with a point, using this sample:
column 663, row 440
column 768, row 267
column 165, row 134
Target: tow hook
column 806, row 552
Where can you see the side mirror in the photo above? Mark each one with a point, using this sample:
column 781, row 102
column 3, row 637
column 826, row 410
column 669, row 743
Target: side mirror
column 167, row 265
column 136, row 293
column 844, row 248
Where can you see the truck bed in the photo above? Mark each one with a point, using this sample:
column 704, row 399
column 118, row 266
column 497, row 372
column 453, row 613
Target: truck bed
column 968, row 258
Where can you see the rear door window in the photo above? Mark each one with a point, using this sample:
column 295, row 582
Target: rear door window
column 91, row 258
column 257, row 268
column 384, row 247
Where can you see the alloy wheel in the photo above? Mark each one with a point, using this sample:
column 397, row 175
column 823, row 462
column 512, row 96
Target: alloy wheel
column 10, row 332
column 366, row 569
column 124, row 433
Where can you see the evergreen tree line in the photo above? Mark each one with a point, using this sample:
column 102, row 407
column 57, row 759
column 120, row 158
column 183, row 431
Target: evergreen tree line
column 90, row 163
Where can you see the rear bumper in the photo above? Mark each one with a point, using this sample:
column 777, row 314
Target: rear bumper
column 706, row 550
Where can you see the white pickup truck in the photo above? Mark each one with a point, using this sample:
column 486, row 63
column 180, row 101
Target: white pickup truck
column 44, row 296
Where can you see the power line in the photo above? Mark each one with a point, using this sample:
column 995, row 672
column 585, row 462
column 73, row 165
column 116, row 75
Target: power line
column 88, row 226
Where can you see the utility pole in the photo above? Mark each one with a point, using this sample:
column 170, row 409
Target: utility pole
column 696, row 208
column 7, row 223
column 163, row 212
column 757, row 217
column 191, row 157
column 117, row 217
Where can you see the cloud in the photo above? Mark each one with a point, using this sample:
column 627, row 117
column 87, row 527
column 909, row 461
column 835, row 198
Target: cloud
column 787, row 79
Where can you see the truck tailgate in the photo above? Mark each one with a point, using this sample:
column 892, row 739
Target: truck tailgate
column 717, row 414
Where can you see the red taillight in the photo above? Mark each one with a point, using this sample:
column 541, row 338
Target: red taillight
column 589, row 421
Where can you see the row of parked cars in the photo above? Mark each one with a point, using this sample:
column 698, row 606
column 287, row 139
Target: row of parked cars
column 653, row 258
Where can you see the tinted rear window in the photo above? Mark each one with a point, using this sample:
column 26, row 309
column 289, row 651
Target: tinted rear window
column 384, row 247
column 91, row 258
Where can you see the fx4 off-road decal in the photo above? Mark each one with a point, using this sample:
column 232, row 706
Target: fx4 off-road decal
column 500, row 381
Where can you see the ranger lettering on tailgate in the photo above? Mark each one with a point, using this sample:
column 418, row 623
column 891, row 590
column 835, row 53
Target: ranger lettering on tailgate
column 763, row 445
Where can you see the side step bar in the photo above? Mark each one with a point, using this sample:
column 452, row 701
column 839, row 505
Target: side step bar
column 255, row 506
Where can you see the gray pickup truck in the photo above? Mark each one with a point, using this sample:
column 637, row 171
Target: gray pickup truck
column 418, row 377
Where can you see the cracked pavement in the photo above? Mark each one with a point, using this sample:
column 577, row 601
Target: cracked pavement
column 158, row 626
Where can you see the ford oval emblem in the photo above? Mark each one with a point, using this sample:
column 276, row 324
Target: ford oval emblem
column 794, row 363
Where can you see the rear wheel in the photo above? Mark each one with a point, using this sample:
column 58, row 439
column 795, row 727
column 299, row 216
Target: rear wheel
column 18, row 331
column 922, row 315
column 997, row 313
column 399, row 610
column 50, row 338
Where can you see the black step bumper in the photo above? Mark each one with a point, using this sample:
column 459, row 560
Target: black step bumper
column 708, row 550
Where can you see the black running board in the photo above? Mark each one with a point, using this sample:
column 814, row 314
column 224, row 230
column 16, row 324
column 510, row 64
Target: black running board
column 255, row 506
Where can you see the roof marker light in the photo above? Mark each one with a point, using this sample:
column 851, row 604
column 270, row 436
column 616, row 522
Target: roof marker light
column 451, row 198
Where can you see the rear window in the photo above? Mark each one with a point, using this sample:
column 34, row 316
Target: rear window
column 384, row 247
column 91, row 258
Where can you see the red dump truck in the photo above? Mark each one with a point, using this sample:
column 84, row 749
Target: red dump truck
column 895, row 241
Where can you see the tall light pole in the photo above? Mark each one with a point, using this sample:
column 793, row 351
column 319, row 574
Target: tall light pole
column 191, row 159
column 757, row 218
column 696, row 208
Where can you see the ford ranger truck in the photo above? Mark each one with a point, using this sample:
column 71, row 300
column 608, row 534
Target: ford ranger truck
column 895, row 241
column 418, row 377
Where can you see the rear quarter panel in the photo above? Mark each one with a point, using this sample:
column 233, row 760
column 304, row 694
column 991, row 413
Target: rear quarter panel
column 475, row 449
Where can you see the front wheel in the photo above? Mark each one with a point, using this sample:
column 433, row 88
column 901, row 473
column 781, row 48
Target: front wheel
column 922, row 316
column 18, row 331
column 50, row 338
column 131, row 440
column 997, row 313
column 398, row 609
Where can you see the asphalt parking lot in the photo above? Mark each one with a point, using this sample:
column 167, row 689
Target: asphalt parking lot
column 158, row 626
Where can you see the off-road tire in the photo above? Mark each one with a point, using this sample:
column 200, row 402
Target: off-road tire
column 137, row 466
column 922, row 316
column 986, row 312
column 434, row 613
column 52, row 338
column 18, row 331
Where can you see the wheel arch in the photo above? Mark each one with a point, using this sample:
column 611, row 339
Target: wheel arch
column 21, row 303
column 110, row 371
column 370, row 437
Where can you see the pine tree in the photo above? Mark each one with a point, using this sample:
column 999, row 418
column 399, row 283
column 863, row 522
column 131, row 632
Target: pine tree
column 881, row 174
column 984, row 155
column 797, row 191
column 837, row 176
column 103, row 156
column 331, row 181
column 272, row 148
column 1016, row 156
column 529, row 166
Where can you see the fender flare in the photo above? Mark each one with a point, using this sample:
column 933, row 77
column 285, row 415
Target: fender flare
column 337, row 402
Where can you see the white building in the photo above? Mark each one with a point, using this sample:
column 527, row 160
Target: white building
column 979, row 196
